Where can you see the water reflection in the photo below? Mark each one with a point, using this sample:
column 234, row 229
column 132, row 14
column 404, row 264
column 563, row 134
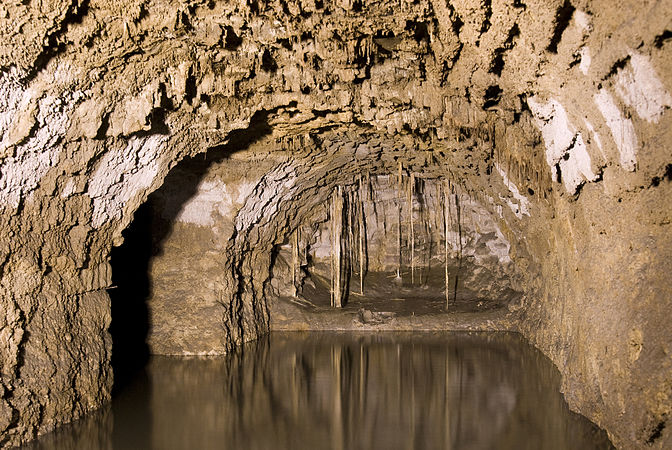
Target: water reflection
column 345, row 391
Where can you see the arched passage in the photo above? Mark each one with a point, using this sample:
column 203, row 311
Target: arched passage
column 218, row 268
column 570, row 98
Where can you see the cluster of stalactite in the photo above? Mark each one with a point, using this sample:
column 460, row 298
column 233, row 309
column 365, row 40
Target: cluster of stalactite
column 348, row 240
column 417, row 216
column 529, row 171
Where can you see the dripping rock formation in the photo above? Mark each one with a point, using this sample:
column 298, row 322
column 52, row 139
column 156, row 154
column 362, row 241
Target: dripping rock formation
column 505, row 162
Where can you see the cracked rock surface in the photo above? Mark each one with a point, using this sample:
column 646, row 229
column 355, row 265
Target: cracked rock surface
column 551, row 117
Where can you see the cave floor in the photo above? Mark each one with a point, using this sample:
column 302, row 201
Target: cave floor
column 389, row 303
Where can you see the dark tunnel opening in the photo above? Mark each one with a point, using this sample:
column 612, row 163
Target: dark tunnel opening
column 144, row 239
column 131, row 289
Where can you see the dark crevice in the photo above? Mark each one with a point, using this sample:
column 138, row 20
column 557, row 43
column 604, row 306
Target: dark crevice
column 655, row 181
column 487, row 6
column 492, row 96
column 157, row 117
column 456, row 21
column 143, row 13
column 317, row 62
column 576, row 61
column 323, row 112
column 254, row 6
column 360, row 58
column 285, row 8
column 74, row 15
column 497, row 63
column 285, row 43
column 571, row 146
column 268, row 64
column 558, row 173
column 231, row 40
column 367, row 75
column 662, row 38
column 190, row 89
column 131, row 289
column 419, row 29
column 523, row 103
column 618, row 65
column 562, row 17
column 101, row 134
column 656, row 433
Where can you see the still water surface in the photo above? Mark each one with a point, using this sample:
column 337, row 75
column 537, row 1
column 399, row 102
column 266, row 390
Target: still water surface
column 344, row 391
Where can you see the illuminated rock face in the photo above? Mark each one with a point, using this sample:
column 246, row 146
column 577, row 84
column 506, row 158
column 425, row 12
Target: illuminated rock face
column 551, row 117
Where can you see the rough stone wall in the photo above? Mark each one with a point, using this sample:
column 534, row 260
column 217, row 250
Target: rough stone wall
column 194, row 220
column 601, row 313
column 556, row 108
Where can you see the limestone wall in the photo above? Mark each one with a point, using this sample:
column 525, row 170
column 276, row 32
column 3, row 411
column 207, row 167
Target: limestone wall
column 558, row 111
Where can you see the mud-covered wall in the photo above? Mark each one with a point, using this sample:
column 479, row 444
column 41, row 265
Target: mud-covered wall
column 557, row 111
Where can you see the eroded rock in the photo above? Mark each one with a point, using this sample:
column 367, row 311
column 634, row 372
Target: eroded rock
column 100, row 100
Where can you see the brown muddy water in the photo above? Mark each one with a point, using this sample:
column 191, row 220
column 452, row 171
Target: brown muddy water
column 329, row 390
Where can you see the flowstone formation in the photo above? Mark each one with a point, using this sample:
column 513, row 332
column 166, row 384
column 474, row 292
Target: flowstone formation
column 551, row 119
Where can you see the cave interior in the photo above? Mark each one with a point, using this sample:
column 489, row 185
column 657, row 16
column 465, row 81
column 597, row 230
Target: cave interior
column 182, row 178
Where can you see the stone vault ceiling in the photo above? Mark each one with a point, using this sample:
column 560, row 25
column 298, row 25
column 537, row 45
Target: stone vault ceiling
column 553, row 115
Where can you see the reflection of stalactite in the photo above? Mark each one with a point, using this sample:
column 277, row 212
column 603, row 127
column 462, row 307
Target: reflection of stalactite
column 337, row 431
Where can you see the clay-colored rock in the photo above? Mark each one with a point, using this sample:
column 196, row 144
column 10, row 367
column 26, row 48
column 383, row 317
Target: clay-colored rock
column 552, row 116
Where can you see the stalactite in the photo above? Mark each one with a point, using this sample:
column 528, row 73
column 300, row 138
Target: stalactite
column 508, row 171
column 458, row 217
column 333, row 241
column 351, row 223
column 399, row 197
column 411, row 187
column 337, row 257
column 427, row 226
column 445, row 234
column 360, row 226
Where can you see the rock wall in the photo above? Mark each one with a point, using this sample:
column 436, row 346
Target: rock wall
column 557, row 111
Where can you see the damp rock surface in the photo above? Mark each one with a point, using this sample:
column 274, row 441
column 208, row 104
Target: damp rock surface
column 551, row 117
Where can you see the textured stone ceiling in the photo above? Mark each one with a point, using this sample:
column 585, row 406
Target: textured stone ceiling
column 553, row 115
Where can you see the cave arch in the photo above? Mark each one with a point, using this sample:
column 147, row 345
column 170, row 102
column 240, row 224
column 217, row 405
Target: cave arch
column 254, row 214
column 571, row 99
